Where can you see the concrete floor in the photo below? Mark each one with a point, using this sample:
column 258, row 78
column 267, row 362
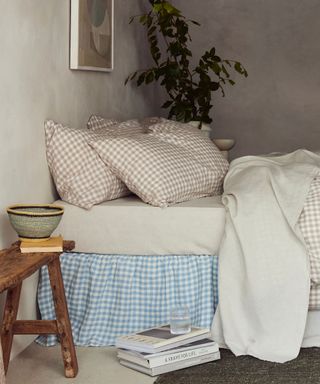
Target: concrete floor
column 43, row 365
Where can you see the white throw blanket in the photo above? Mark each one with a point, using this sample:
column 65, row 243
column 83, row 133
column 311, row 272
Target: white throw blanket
column 264, row 277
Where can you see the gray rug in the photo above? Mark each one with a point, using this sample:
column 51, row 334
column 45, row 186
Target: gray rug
column 248, row 370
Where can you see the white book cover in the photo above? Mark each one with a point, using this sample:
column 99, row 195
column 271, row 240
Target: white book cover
column 159, row 339
column 191, row 350
column 172, row 367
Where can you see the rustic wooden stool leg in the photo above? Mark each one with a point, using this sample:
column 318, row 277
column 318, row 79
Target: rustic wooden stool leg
column 9, row 317
column 63, row 321
column 2, row 376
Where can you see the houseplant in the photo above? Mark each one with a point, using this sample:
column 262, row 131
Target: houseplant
column 189, row 87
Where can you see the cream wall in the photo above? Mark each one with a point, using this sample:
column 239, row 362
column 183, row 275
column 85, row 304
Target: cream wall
column 277, row 107
column 35, row 84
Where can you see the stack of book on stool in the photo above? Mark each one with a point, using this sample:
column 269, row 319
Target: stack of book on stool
column 54, row 244
column 156, row 351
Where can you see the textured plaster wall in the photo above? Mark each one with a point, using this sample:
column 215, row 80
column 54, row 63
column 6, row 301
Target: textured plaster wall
column 277, row 107
column 35, row 84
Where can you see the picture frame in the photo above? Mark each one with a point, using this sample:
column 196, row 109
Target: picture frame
column 92, row 35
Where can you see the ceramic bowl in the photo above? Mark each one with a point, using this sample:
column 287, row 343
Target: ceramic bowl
column 34, row 222
column 224, row 144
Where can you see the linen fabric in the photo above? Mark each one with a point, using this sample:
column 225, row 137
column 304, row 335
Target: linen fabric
column 309, row 223
column 113, row 127
column 80, row 176
column 113, row 295
column 149, row 121
column 135, row 228
column 192, row 139
column 160, row 173
column 264, row 278
column 97, row 123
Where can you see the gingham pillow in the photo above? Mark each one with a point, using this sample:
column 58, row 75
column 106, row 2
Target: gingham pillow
column 97, row 123
column 113, row 127
column 159, row 173
column 309, row 223
column 80, row 176
column 192, row 139
column 148, row 121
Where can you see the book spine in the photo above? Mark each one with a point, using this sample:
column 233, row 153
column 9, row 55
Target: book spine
column 180, row 356
column 171, row 367
column 185, row 364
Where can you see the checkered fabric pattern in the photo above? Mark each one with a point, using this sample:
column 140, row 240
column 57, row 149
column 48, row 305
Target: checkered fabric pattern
column 113, row 295
column 160, row 173
column 309, row 223
column 96, row 122
column 191, row 138
column 148, row 121
column 80, row 176
column 314, row 298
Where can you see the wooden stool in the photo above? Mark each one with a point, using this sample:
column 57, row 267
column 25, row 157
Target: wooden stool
column 2, row 377
column 14, row 268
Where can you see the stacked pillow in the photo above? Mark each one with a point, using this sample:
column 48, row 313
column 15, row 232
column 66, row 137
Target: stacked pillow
column 113, row 127
column 193, row 140
column 161, row 161
column 80, row 176
column 97, row 123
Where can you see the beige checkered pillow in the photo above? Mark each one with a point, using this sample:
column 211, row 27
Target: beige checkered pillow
column 160, row 173
column 97, row 123
column 148, row 121
column 309, row 223
column 192, row 139
column 113, row 127
column 80, row 176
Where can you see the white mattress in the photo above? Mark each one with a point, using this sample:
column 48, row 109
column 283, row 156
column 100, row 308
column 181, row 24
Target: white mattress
column 129, row 226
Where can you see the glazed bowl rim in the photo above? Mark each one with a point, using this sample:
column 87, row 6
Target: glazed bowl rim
column 14, row 209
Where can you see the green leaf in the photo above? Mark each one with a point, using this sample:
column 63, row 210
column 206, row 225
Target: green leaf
column 214, row 86
column 224, row 70
column 130, row 77
column 143, row 19
column 141, row 79
column 171, row 9
column 240, row 69
column 149, row 78
column 216, row 68
column 237, row 67
column 231, row 82
column 167, row 104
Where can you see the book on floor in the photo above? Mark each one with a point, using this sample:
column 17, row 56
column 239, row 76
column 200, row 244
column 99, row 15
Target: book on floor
column 160, row 339
column 54, row 244
column 173, row 366
column 186, row 352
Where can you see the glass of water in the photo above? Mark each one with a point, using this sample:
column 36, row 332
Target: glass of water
column 180, row 322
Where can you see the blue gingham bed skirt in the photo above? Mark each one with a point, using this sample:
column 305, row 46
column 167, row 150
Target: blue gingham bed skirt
column 112, row 295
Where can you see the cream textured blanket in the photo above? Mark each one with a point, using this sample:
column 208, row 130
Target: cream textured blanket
column 264, row 277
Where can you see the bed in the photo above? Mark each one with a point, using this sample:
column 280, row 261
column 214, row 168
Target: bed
column 132, row 262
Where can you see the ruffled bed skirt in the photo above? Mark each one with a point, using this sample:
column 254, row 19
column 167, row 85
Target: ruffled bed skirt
column 112, row 295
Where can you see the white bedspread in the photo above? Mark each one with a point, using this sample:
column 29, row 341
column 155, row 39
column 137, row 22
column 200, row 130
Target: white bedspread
column 264, row 277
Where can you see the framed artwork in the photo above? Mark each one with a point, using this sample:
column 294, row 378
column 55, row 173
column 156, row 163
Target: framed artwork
column 91, row 35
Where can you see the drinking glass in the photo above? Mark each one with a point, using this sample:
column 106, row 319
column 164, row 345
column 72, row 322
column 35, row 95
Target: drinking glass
column 180, row 322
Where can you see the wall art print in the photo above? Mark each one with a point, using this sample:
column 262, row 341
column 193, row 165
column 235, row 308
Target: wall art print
column 91, row 35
